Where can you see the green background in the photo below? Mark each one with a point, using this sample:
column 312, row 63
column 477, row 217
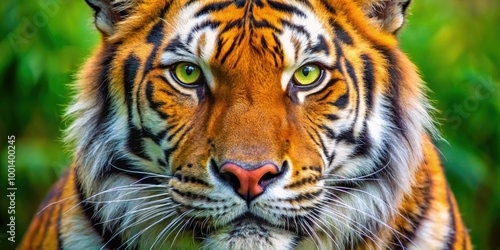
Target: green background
column 453, row 42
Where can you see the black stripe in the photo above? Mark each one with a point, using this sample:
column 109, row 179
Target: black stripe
column 306, row 3
column 330, row 158
column 342, row 101
column 135, row 143
column 396, row 108
column 212, row 8
column 103, row 81
column 364, row 143
column 199, row 27
column 347, row 135
column 331, row 117
column 278, row 48
column 368, row 79
column 218, row 48
column 155, row 35
column 172, row 134
column 451, row 237
column 161, row 14
column 191, row 2
column 157, row 138
column 328, row 94
column 338, row 52
column 166, row 8
column 130, row 68
column 263, row 42
column 154, row 105
column 325, row 96
column 263, row 24
column 328, row 132
column 331, row 135
column 59, row 229
column 352, row 75
column 240, row 3
column 328, row 7
column 88, row 208
column 313, row 139
column 340, row 33
column 285, row 8
column 162, row 163
column 175, row 45
column 167, row 92
column 169, row 151
column 258, row 3
column 231, row 48
column 298, row 28
column 320, row 46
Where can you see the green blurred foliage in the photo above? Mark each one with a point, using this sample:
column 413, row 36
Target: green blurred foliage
column 43, row 43
column 453, row 42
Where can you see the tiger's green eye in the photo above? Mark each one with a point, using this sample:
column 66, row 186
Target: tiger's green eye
column 187, row 73
column 307, row 75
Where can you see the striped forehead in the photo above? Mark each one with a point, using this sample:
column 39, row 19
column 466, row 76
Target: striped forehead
column 205, row 33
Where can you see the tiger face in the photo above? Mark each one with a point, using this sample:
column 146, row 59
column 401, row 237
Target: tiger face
column 248, row 124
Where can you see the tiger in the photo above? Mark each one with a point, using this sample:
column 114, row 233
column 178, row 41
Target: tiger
column 250, row 124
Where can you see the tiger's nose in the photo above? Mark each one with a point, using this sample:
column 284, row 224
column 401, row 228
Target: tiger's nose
column 249, row 183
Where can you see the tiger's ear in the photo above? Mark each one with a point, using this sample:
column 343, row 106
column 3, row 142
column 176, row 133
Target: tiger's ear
column 109, row 12
column 387, row 14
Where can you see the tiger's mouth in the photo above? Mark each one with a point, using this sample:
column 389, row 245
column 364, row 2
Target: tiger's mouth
column 247, row 224
column 248, row 217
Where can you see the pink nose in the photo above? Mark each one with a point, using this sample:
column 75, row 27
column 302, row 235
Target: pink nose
column 251, row 183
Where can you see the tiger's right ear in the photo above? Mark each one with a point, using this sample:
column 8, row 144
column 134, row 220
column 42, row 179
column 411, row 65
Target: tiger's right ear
column 389, row 15
column 109, row 12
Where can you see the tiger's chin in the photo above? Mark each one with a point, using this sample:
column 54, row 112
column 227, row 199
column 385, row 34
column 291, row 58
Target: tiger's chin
column 250, row 233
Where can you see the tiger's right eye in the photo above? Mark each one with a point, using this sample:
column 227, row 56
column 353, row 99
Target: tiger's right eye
column 307, row 75
column 187, row 74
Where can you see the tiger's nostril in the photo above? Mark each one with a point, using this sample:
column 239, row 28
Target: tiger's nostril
column 230, row 178
column 249, row 183
column 267, row 179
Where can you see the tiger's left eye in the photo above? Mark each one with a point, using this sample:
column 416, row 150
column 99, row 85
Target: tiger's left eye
column 188, row 74
column 307, row 75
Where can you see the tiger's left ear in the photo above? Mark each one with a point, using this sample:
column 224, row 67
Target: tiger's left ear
column 109, row 12
column 387, row 14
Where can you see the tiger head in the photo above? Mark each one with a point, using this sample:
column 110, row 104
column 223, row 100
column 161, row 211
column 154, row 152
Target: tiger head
column 247, row 124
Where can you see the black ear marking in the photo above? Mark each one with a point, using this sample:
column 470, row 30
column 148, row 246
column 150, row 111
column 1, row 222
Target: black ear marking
column 405, row 5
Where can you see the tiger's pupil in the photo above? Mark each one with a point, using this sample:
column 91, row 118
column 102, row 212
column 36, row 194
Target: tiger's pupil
column 306, row 71
column 189, row 70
